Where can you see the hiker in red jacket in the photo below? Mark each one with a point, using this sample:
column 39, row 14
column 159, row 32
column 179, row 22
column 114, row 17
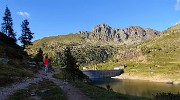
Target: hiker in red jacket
column 46, row 62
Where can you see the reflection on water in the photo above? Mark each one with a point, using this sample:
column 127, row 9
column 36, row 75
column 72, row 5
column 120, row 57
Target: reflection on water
column 137, row 87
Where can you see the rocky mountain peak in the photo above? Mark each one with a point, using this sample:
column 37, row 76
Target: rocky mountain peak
column 101, row 27
column 130, row 35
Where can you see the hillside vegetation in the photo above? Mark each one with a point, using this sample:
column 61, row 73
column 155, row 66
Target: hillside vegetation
column 157, row 59
column 146, row 52
column 51, row 45
column 13, row 61
column 165, row 47
column 99, row 45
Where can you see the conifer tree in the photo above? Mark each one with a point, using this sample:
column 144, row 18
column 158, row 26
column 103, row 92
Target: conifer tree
column 26, row 35
column 71, row 66
column 7, row 26
column 39, row 55
column 69, row 61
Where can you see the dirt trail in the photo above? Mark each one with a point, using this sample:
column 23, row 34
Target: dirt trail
column 72, row 92
column 6, row 91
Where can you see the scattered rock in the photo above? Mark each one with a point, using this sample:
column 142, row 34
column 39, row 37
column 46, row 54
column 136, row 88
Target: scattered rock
column 170, row 82
column 176, row 82
column 4, row 60
column 42, row 91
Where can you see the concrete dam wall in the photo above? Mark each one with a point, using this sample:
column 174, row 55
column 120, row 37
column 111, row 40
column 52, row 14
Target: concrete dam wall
column 102, row 73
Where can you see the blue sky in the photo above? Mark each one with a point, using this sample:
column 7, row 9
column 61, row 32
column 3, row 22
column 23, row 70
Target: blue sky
column 59, row 17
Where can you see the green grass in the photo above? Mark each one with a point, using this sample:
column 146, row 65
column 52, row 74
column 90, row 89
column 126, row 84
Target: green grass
column 10, row 74
column 162, row 53
column 167, row 96
column 49, row 44
column 166, row 70
column 164, row 48
column 13, row 66
column 103, row 66
column 45, row 90
column 23, row 94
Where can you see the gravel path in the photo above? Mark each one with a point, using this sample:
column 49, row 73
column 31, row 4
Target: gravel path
column 6, row 91
column 72, row 92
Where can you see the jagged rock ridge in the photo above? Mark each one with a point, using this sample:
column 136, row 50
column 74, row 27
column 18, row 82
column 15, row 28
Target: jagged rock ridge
column 130, row 35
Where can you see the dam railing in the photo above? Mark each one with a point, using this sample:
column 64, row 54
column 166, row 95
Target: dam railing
column 102, row 73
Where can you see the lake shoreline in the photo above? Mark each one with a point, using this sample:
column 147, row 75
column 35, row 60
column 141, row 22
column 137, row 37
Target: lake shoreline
column 156, row 78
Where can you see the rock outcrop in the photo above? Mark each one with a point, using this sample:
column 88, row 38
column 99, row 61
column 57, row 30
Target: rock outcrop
column 131, row 35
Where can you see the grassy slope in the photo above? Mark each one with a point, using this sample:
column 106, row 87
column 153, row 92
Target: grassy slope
column 66, row 39
column 165, row 48
column 11, row 73
column 16, row 69
column 162, row 56
column 55, row 43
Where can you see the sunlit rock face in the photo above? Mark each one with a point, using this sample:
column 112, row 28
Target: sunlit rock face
column 106, row 34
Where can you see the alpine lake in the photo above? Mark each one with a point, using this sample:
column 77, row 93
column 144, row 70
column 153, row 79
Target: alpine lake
column 137, row 87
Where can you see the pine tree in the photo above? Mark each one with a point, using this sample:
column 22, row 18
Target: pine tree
column 39, row 56
column 69, row 61
column 71, row 66
column 26, row 35
column 7, row 26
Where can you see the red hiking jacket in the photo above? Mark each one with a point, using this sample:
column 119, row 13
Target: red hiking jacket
column 45, row 61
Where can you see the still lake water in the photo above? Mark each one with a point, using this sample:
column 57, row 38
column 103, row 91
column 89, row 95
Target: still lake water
column 137, row 87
